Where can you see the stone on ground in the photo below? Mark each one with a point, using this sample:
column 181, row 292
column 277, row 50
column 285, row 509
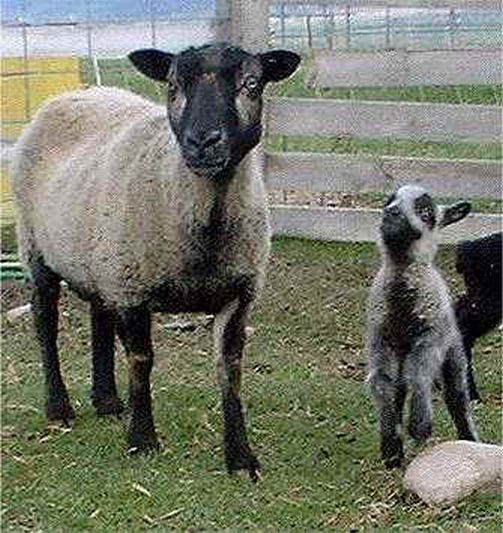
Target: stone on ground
column 452, row 470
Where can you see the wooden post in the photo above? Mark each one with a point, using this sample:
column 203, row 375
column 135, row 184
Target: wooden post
column 247, row 25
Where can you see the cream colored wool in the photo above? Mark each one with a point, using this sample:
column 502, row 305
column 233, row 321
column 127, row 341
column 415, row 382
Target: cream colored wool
column 103, row 193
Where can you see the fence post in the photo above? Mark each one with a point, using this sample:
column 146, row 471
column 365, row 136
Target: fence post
column 247, row 23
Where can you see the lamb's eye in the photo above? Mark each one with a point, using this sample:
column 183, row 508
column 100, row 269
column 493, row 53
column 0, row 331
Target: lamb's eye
column 251, row 83
column 171, row 89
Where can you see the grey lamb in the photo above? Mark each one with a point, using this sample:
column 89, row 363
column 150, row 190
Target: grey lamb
column 144, row 208
column 413, row 336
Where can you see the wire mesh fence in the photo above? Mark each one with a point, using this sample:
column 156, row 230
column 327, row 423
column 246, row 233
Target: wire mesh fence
column 51, row 47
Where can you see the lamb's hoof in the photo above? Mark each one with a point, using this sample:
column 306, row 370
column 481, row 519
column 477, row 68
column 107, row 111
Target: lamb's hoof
column 392, row 452
column 108, row 405
column 60, row 410
column 142, row 443
column 420, row 431
column 244, row 460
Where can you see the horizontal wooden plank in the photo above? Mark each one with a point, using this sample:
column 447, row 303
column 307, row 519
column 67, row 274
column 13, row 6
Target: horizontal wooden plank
column 401, row 68
column 424, row 4
column 389, row 120
column 362, row 225
column 357, row 174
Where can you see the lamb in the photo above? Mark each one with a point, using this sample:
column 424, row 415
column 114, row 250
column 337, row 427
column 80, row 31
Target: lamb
column 412, row 332
column 478, row 311
column 142, row 208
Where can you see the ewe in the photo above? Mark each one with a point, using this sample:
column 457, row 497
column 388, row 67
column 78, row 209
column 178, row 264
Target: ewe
column 143, row 209
column 412, row 330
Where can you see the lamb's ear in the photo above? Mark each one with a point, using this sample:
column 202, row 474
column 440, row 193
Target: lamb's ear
column 454, row 213
column 151, row 62
column 278, row 64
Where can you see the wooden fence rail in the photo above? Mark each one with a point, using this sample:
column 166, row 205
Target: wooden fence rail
column 359, row 174
column 397, row 120
column 335, row 224
column 406, row 68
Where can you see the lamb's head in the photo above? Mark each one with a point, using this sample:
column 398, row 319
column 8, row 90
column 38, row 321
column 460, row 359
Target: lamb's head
column 214, row 99
column 411, row 221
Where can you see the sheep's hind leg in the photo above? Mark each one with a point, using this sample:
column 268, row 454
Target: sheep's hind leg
column 134, row 330
column 229, row 332
column 45, row 312
column 456, row 394
column 389, row 397
column 104, row 391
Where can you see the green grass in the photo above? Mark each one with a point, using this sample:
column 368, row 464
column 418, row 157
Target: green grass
column 309, row 415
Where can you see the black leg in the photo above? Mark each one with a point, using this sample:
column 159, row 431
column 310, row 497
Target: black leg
column 472, row 386
column 456, row 394
column 104, row 392
column 389, row 397
column 229, row 342
column 45, row 312
column 134, row 331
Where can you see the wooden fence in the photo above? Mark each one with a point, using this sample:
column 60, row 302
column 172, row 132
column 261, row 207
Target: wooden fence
column 416, row 122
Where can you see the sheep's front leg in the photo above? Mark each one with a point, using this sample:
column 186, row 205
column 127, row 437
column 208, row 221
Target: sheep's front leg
column 134, row 331
column 456, row 393
column 104, row 392
column 46, row 292
column 229, row 332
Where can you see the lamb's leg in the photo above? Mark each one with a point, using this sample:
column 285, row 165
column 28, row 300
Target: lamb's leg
column 134, row 330
column 104, row 392
column 420, row 373
column 389, row 396
column 456, row 393
column 45, row 312
column 229, row 333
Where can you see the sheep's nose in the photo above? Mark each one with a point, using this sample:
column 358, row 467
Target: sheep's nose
column 204, row 140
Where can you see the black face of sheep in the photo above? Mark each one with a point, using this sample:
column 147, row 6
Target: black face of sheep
column 410, row 215
column 214, row 99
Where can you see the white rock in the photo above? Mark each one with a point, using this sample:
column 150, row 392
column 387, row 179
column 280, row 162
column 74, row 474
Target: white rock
column 452, row 470
column 15, row 313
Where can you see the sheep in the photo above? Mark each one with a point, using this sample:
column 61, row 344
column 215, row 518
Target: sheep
column 143, row 208
column 412, row 334
column 479, row 309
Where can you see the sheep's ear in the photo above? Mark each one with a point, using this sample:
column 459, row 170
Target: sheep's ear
column 151, row 62
column 278, row 64
column 454, row 213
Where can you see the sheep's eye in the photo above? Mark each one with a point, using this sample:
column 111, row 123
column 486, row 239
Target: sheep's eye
column 251, row 83
column 171, row 89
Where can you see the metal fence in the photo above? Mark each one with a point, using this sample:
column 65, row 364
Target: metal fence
column 46, row 55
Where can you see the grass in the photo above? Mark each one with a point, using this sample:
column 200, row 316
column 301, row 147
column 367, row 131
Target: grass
column 309, row 415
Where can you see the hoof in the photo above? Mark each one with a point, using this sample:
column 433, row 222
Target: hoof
column 61, row 410
column 108, row 405
column 140, row 444
column 392, row 452
column 420, row 431
column 244, row 460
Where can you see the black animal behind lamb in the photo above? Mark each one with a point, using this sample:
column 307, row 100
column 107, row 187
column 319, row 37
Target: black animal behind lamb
column 412, row 330
column 478, row 311
column 142, row 208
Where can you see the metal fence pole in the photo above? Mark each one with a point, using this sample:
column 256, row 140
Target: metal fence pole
column 282, row 22
column 89, row 32
column 388, row 29
column 26, row 68
column 309, row 32
column 348, row 25
column 452, row 23
column 152, row 22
